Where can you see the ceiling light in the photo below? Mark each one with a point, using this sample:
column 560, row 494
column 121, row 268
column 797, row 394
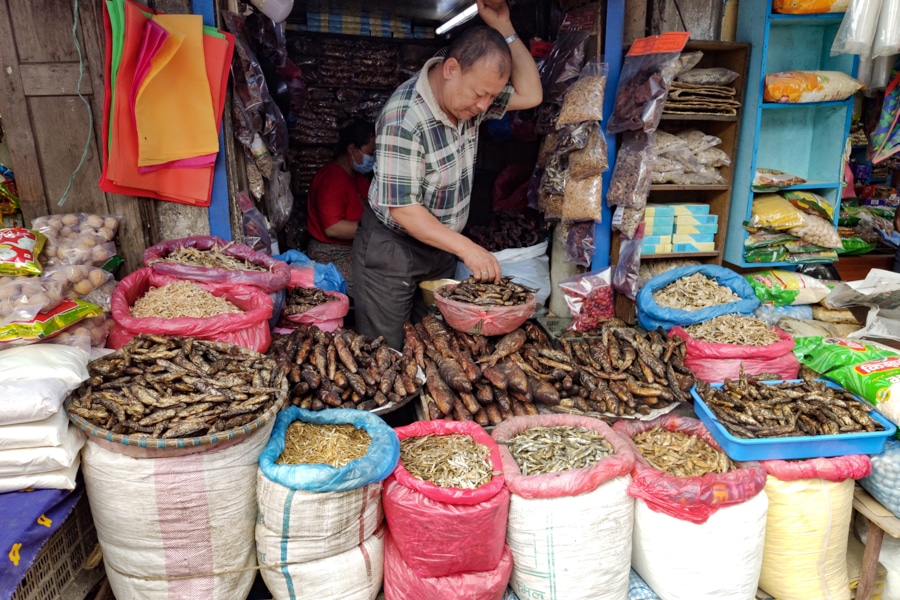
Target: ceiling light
column 458, row 19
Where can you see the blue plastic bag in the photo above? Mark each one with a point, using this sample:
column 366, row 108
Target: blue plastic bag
column 327, row 276
column 651, row 315
column 376, row 465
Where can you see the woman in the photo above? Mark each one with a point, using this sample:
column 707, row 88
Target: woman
column 337, row 195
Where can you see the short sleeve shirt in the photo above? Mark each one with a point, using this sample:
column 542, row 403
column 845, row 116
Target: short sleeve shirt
column 422, row 158
column 335, row 196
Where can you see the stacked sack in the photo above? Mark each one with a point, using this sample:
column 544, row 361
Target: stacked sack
column 442, row 539
column 569, row 532
column 38, row 447
column 319, row 531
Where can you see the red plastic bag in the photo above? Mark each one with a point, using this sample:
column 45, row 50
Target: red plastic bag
column 250, row 329
column 275, row 278
column 440, row 531
column 402, row 583
column 483, row 320
column 839, row 468
column 692, row 499
column 714, row 362
column 566, row 483
column 327, row 317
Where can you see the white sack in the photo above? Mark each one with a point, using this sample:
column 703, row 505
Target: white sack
column 44, row 361
column 27, row 461
column 26, row 401
column 63, row 479
column 36, row 434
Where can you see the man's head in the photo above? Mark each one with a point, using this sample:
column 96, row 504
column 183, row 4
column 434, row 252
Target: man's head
column 474, row 72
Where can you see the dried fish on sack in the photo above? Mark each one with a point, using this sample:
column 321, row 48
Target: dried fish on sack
column 549, row 510
column 312, row 306
column 694, row 303
column 480, row 308
column 706, row 514
column 807, row 558
column 466, row 527
column 212, row 259
column 318, row 513
column 714, row 361
column 249, row 329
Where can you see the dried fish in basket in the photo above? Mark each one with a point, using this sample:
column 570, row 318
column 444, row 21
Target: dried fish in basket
column 165, row 388
column 298, row 300
column 734, row 329
column 541, row 450
column 694, row 292
column 312, row 443
column 680, row 454
column 453, row 460
column 505, row 293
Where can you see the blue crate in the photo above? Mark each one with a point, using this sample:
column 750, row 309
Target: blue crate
column 842, row 444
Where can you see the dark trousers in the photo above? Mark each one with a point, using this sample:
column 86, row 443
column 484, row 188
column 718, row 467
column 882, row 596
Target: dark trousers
column 387, row 268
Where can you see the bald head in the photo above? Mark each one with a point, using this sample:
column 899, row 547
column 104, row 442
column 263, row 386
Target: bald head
column 481, row 42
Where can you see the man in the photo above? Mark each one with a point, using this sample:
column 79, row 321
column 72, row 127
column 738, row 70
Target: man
column 427, row 136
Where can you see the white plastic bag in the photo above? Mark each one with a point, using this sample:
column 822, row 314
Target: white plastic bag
column 887, row 36
column 26, row 401
column 857, row 30
column 49, row 432
column 527, row 266
column 61, row 479
column 41, row 460
column 44, row 361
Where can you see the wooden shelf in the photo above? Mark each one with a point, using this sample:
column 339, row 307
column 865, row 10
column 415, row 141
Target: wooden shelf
column 725, row 118
column 792, row 105
column 683, row 255
column 674, row 187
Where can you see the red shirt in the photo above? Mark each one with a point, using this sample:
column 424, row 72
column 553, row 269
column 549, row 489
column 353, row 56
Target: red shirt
column 335, row 196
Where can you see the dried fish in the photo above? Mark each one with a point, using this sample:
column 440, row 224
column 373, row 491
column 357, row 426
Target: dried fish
column 213, row 257
column 694, row 292
column 299, row 300
column 181, row 299
column 734, row 329
column 505, row 293
column 453, row 460
column 680, row 454
column 335, row 445
column 542, row 450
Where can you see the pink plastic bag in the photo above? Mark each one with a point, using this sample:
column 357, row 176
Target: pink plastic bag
column 441, row 531
column 274, row 278
column 483, row 320
column 250, row 329
column 713, row 362
column 327, row 317
column 566, row 483
column 692, row 499
column 839, row 468
column 402, row 583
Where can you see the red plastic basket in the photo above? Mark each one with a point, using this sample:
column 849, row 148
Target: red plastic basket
column 482, row 320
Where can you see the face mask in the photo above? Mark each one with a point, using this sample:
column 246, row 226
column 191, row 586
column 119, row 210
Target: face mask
column 368, row 163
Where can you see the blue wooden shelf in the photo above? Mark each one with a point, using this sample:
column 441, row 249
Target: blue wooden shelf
column 806, row 20
column 815, row 185
column 796, row 105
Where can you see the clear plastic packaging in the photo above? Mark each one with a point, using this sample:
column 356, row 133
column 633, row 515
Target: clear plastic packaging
column 714, row 76
column 19, row 250
column 255, row 230
column 626, row 276
column 580, row 243
column 69, row 227
column 887, row 35
column 589, row 297
column 643, row 88
column 591, row 160
column 573, row 137
column 584, row 99
column 554, row 179
column 818, row 231
column 24, row 298
column 564, row 64
column 626, row 220
column 698, row 141
column 583, row 199
column 631, row 176
column 857, row 30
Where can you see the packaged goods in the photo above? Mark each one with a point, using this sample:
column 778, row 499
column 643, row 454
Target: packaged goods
column 714, row 76
column 768, row 180
column 591, row 160
column 583, row 199
column 37, row 434
column 765, row 254
column 875, row 381
column 771, row 314
column 70, row 227
column 60, row 479
column 631, row 177
column 86, row 334
column 92, row 284
column 31, row 401
column 811, row 203
column 589, row 297
column 782, row 288
column 47, row 324
column 22, row 299
column 550, row 512
column 27, row 461
column 807, row 557
column 818, row 231
column 774, row 212
column 43, row 363
column 834, row 315
column 825, row 354
column 19, row 250
column 807, row 7
column 584, row 98
column 809, row 86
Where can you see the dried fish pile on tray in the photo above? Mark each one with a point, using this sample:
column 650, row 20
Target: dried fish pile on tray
column 213, row 257
column 453, row 460
column 181, row 299
column 694, row 292
column 313, row 443
column 619, row 373
column 680, row 454
column 342, row 369
column 748, row 408
column 505, row 293
column 541, row 450
column 298, row 300
column 173, row 387
column 734, row 329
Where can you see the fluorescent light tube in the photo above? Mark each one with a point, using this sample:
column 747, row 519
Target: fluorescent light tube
column 458, row 19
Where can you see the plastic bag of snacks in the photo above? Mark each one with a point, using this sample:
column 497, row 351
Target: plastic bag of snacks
column 875, row 381
column 811, row 203
column 809, row 86
column 824, row 354
column 47, row 324
column 809, row 7
column 782, row 288
column 78, row 238
column 86, row 334
column 19, row 250
column 774, row 212
column 93, row 284
column 768, row 180
column 589, row 297
column 24, row 298
column 584, row 98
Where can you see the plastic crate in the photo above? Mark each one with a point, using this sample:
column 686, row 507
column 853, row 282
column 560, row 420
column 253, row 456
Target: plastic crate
column 59, row 561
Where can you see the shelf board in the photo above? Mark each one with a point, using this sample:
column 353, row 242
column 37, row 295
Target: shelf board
column 820, row 19
column 674, row 187
column 809, row 185
column 682, row 255
column 767, row 265
column 670, row 117
column 796, row 105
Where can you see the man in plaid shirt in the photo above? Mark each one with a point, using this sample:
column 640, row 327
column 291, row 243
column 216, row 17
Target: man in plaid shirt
column 426, row 139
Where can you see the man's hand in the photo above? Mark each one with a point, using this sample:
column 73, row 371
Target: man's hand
column 495, row 14
column 483, row 264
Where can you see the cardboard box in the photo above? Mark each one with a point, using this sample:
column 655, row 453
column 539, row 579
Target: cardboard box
column 653, row 240
column 659, row 210
column 696, row 219
column 695, row 247
column 696, row 229
column 697, row 238
column 691, row 208
column 658, row 229
column 656, row 248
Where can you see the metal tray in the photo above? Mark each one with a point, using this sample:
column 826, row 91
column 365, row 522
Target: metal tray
column 810, row 446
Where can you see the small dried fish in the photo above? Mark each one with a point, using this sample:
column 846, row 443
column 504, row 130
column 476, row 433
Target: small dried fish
column 542, row 450
column 505, row 293
column 208, row 258
column 694, row 292
column 335, row 445
column 453, row 460
column 299, row 300
column 680, row 454
column 734, row 329
column 181, row 299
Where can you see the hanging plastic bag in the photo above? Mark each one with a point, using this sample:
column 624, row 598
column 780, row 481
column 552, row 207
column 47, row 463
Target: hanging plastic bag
column 632, row 174
column 589, row 297
column 584, row 98
column 563, row 65
column 591, row 160
column 627, row 273
column 253, row 223
column 580, row 243
column 583, row 199
column 857, row 30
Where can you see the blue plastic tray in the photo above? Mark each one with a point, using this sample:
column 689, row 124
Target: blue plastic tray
column 810, row 446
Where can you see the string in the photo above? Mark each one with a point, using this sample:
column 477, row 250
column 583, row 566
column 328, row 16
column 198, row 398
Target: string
column 87, row 105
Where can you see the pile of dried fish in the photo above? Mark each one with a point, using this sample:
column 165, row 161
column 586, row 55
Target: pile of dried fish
column 173, row 387
column 734, row 329
column 622, row 371
column 335, row 445
column 181, row 299
column 505, row 293
column 694, row 292
column 342, row 369
column 748, row 408
column 454, row 460
column 542, row 450
column 680, row 454
column 508, row 229
column 299, row 300
column 213, row 257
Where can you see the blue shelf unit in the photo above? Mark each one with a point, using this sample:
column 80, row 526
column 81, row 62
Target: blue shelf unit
column 807, row 139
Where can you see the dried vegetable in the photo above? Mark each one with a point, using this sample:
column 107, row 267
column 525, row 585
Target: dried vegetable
column 734, row 329
column 505, row 293
column 694, row 292
column 181, row 299
column 208, row 258
column 680, row 454
column 454, row 460
column 541, row 450
column 335, row 445
column 299, row 300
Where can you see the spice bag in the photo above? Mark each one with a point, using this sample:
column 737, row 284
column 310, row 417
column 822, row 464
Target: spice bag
column 569, row 532
column 711, row 361
column 440, row 531
column 810, row 507
column 401, row 582
column 176, row 523
column 705, row 514
column 884, row 480
column 249, row 329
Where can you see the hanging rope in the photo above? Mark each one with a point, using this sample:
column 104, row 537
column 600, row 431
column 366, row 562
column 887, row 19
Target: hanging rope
column 87, row 105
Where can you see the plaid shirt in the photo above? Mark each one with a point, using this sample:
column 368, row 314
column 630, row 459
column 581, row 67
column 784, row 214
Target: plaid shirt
column 422, row 158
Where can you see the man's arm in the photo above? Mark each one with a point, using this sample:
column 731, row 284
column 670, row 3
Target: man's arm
column 525, row 78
